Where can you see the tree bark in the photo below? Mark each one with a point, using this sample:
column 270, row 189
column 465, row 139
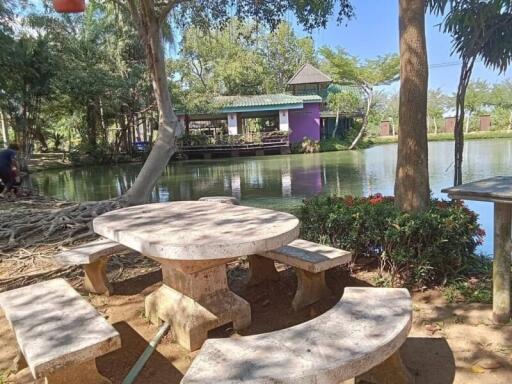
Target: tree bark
column 149, row 27
column 465, row 76
column 369, row 100
column 5, row 136
column 412, row 189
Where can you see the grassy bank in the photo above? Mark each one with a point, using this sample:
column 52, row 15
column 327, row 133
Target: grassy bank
column 446, row 137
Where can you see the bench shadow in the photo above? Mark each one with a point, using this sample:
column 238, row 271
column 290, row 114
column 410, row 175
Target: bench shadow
column 430, row 360
column 136, row 284
column 117, row 364
column 270, row 301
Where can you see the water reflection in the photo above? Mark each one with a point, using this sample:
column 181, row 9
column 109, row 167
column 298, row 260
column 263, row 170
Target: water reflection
column 281, row 182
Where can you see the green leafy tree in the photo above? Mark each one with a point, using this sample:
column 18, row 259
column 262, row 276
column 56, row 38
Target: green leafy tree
column 438, row 104
column 367, row 74
column 345, row 100
column 150, row 18
column 479, row 30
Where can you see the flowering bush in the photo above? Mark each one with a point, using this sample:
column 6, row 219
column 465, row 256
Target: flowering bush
column 423, row 248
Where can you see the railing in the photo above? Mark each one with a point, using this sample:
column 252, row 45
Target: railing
column 252, row 140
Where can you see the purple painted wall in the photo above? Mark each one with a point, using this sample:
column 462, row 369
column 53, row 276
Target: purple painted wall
column 305, row 122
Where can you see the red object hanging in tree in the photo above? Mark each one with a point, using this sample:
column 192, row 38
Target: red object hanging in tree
column 69, row 6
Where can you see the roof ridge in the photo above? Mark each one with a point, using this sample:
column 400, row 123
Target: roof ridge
column 317, row 74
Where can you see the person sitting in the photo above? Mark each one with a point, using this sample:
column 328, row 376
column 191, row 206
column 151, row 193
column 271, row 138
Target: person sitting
column 8, row 169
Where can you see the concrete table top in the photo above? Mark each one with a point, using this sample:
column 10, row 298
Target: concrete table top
column 197, row 230
column 495, row 189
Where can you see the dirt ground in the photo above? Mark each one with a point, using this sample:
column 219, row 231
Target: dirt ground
column 448, row 343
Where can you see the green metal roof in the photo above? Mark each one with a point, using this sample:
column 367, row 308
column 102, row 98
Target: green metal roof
column 257, row 100
column 311, row 98
column 256, row 103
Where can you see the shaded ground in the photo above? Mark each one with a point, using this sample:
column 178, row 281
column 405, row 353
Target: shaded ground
column 446, row 344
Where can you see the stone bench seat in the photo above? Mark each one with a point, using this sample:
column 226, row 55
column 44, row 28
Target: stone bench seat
column 93, row 257
column 59, row 333
column 359, row 337
column 310, row 261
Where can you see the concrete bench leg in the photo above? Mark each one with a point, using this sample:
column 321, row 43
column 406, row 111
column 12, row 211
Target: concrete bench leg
column 261, row 269
column 85, row 373
column 96, row 280
column 391, row 371
column 19, row 363
column 311, row 287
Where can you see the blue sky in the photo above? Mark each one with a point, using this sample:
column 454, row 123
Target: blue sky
column 374, row 32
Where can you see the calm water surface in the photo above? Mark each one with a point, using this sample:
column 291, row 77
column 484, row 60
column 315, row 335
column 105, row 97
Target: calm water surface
column 281, row 182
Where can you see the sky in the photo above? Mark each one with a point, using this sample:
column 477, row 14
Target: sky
column 374, row 31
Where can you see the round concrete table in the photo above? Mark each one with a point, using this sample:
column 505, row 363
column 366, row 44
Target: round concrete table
column 193, row 241
column 497, row 190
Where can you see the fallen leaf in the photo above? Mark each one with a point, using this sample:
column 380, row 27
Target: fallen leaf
column 477, row 369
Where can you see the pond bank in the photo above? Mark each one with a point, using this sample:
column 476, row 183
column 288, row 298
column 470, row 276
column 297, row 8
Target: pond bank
column 446, row 137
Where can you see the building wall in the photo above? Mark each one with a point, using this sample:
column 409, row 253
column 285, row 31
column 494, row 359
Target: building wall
column 305, row 122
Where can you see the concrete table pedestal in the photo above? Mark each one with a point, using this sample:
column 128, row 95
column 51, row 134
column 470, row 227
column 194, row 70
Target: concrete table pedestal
column 193, row 241
column 196, row 300
column 497, row 190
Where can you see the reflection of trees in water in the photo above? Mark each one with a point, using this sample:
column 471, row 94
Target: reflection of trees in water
column 277, row 180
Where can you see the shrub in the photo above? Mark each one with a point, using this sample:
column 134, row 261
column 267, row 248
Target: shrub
column 414, row 249
column 306, row 146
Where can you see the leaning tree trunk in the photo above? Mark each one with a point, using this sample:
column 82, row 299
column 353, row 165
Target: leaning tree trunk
column 465, row 76
column 149, row 28
column 369, row 100
column 412, row 190
column 336, row 124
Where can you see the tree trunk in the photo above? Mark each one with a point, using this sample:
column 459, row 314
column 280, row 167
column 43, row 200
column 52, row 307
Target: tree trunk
column 465, row 76
column 5, row 135
column 412, row 189
column 104, row 131
column 336, row 124
column 435, row 126
column 149, row 28
column 369, row 100
column 91, row 123
column 468, row 121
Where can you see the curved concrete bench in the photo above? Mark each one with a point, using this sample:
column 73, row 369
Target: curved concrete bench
column 366, row 328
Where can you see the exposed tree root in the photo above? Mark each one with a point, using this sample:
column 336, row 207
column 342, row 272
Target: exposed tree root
column 34, row 229
column 27, row 228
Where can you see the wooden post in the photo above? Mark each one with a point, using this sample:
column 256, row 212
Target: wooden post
column 501, row 263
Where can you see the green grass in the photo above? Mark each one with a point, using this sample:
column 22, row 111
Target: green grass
column 329, row 145
column 446, row 137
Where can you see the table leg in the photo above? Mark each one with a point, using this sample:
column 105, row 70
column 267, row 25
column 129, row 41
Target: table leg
column 195, row 302
column 501, row 263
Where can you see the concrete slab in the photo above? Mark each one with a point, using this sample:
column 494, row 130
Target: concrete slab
column 197, row 230
column 496, row 189
column 55, row 327
column 309, row 256
column 363, row 330
column 90, row 252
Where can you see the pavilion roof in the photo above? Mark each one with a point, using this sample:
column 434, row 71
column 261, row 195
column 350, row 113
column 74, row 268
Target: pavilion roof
column 307, row 74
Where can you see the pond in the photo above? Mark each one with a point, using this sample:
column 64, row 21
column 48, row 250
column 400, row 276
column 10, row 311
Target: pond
column 281, row 182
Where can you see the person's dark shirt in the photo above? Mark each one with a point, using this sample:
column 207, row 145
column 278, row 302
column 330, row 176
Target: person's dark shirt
column 6, row 158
